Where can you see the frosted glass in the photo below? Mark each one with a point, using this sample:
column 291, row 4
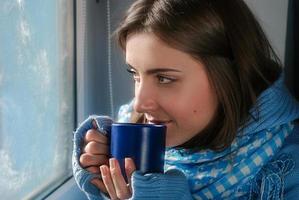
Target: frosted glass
column 36, row 96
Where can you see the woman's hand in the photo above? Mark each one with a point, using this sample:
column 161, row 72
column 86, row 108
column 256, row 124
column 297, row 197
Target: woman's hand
column 95, row 153
column 114, row 181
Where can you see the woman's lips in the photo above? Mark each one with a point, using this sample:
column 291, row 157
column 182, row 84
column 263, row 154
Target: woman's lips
column 160, row 122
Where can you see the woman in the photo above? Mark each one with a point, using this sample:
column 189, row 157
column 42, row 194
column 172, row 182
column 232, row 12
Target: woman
column 205, row 69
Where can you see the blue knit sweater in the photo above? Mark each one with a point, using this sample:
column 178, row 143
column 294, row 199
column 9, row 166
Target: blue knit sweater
column 281, row 173
column 291, row 147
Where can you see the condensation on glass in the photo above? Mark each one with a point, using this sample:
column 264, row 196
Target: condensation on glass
column 36, row 96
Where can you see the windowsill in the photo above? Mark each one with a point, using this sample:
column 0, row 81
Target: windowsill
column 69, row 190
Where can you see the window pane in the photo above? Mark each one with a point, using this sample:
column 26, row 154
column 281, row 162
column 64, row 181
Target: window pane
column 36, row 96
column 103, row 84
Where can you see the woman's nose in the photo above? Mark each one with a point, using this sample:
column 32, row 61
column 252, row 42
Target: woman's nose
column 145, row 99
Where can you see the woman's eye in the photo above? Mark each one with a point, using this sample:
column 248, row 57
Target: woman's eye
column 134, row 75
column 164, row 80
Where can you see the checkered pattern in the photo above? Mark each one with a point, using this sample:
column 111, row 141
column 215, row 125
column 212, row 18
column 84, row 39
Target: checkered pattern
column 219, row 175
column 244, row 165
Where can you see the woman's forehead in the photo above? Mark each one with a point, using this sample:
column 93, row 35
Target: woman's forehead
column 147, row 49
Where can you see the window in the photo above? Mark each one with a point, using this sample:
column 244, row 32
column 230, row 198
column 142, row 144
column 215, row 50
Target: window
column 40, row 101
column 36, row 96
column 103, row 84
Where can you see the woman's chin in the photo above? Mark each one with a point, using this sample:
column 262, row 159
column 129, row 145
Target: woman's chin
column 172, row 143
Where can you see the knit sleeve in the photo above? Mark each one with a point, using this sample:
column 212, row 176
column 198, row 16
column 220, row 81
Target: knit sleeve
column 171, row 185
column 82, row 176
column 291, row 147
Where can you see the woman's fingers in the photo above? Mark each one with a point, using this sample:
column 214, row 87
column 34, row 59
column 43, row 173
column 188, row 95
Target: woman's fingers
column 99, row 184
column 106, row 176
column 96, row 136
column 93, row 169
column 121, row 187
column 96, row 148
column 87, row 160
column 95, row 153
column 114, row 181
column 130, row 168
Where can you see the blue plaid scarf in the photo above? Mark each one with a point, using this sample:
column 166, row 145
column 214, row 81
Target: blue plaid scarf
column 226, row 174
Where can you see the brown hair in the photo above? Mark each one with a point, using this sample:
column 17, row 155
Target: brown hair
column 224, row 36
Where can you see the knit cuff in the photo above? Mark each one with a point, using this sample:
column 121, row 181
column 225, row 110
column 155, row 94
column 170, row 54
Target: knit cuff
column 82, row 176
column 171, row 185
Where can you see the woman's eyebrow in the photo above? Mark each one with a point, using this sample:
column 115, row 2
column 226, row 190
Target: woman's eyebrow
column 157, row 70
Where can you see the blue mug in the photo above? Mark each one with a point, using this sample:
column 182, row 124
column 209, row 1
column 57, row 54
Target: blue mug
column 144, row 143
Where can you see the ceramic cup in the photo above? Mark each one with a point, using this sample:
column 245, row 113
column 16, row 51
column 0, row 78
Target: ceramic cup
column 144, row 143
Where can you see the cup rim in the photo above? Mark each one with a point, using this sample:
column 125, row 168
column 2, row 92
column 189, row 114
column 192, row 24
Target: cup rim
column 137, row 124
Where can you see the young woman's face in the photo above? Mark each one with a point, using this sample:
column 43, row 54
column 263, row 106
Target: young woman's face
column 171, row 87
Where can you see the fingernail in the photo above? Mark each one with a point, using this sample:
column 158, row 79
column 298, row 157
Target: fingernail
column 112, row 163
column 127, row 162
column 103, row 170
column 128, row 159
